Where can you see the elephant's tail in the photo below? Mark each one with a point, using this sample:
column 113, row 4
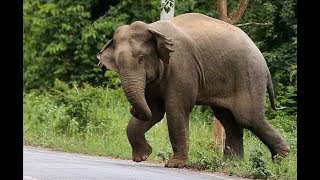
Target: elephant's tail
column 272, row 95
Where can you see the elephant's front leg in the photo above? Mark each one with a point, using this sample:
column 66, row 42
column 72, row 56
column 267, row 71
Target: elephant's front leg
column 178, row 126
column 137, row 128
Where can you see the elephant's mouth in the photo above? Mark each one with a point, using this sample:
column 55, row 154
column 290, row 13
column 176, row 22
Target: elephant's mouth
column 152, row 81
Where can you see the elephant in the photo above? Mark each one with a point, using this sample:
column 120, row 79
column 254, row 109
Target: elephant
column 169, row 66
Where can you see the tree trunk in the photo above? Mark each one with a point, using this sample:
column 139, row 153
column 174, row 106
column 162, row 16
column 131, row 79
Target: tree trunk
column 222, row 9
column 240, row 11
column 218, row 134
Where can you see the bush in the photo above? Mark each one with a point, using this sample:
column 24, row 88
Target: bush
column 71, row 111
column 259, row 166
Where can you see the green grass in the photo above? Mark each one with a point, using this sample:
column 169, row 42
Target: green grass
column 93, row 120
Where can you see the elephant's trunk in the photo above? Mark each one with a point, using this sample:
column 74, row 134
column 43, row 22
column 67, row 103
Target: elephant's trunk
column 134, row 89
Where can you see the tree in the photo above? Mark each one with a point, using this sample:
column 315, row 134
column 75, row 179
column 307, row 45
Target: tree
column 61, row 38
column 222, row 9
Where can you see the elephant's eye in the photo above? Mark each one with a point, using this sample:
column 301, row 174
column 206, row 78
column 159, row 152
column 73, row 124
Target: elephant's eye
column 140, row 60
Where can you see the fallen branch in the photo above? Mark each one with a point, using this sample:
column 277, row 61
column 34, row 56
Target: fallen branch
column 254, row 23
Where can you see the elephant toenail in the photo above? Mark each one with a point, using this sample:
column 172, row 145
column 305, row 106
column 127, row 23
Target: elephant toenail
column 171, row 165
column 144, row 157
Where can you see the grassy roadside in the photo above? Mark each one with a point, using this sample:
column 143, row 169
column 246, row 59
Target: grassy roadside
column 93, row 120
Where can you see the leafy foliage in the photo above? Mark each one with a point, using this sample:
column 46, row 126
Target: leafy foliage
column 61, row 39
column 259, row 166
column 73, row 110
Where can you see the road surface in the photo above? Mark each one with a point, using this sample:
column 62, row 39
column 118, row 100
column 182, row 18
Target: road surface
column 45, row 164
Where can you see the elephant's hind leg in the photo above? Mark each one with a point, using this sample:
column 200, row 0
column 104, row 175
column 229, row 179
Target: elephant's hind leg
column 234, row 133
column 253, row 119
column 137, row 128
column 270, row 137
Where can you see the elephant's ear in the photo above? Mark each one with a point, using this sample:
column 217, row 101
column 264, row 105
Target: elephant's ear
column 107, row 60
column 164, row 45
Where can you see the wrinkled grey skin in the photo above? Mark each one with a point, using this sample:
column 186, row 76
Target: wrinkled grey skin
column 171, row 65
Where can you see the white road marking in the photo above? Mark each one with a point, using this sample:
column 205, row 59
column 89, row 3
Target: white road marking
column 221, row 177
column 29, row 177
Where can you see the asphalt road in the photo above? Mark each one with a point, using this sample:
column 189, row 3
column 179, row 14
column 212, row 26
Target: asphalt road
column 41, row 164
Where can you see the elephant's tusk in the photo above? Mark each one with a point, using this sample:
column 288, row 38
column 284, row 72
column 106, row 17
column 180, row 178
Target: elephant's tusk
column 99, row 63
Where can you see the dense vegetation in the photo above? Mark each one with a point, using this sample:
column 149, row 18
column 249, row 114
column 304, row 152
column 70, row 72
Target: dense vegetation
column 89, row 112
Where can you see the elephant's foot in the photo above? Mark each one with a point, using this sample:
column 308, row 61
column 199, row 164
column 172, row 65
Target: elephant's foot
column 141, row 153
column 280, row 152
column 176, row 163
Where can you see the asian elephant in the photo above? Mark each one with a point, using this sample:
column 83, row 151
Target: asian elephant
column 169, row 66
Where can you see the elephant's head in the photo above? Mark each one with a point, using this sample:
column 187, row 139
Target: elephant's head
column 136, row 52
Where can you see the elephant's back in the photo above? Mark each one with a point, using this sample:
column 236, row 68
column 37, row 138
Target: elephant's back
column 196, row 21
column 227, row 53
column 215, row 38
column 212, row 35
column 201, row 29
column 194, row 24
